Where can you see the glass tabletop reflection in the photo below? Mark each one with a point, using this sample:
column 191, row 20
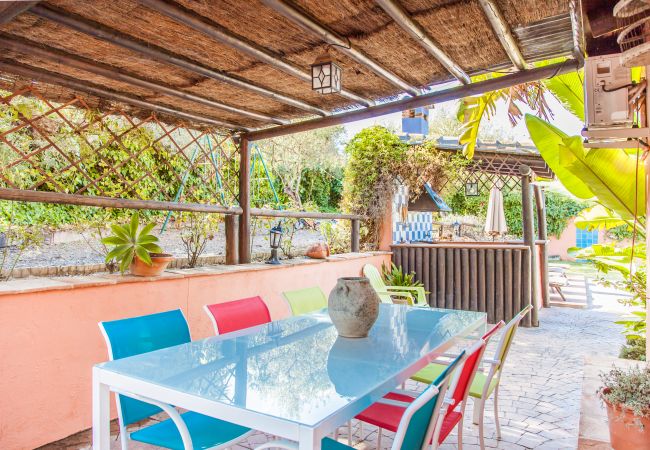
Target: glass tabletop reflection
column 298, row 369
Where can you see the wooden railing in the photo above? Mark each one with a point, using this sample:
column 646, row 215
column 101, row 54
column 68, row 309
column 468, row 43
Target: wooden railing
column 486, row 277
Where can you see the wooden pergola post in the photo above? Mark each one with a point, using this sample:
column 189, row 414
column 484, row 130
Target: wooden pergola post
column 232, row 240
column 540, row 203
column 529, row 241
column 244, row 201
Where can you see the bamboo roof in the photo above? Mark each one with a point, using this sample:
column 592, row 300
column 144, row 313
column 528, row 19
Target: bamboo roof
column 459, row 27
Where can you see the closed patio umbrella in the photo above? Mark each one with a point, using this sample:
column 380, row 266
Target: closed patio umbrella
column 495, row 223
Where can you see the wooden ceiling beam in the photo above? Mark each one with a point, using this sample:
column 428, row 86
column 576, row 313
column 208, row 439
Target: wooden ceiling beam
column 45, row 76
column 503, row 32
column 115, row 74
column 342, row 44
column 102, row 32
column 417, row 32
column 9, row 10
column 445, row 95
column 220, row 34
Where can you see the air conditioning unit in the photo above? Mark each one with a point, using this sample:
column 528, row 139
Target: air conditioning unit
column 606, row 93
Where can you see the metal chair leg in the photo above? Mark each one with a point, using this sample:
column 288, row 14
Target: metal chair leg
column 481, row 433
column 460, row 434
column 350, row 433
column 379, row 438
column 496, row 411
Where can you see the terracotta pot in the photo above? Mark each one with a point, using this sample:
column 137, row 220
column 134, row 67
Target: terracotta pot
column 627, row 431
column 353, row 306
column 159, row 262
column 318, row 251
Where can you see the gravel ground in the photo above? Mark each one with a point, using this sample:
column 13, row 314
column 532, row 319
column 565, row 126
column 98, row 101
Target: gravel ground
column 76, row 249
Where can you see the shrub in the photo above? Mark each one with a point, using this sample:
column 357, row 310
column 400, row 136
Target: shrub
column 629, row 389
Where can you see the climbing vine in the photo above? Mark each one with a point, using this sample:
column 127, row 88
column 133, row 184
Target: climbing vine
column 377, row 160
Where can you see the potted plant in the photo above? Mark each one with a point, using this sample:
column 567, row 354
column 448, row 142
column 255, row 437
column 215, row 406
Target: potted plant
column 626, row 394
column 136, row 249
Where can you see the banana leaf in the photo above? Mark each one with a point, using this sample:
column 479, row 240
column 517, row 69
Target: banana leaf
column 598, row 217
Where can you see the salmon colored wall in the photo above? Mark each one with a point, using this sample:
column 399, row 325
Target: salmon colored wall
column 559, row 246
column 49, row 340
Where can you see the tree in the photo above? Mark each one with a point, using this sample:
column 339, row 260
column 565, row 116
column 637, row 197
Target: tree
column 292, row 155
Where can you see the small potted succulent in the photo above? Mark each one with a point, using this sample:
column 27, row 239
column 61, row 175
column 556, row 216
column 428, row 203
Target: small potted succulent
column 626, row 394
column 136, row 249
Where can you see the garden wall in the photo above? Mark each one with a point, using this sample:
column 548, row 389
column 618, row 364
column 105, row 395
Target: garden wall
column 49, row 338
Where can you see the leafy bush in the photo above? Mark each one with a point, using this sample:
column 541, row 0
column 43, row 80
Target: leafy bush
column 633, row 349
column 337, row 235
column 629, row 389
column 196, row 231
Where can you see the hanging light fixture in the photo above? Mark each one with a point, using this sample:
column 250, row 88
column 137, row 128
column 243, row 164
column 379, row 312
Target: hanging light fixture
column 275, row 237
column 471, row 189
column 325, row 74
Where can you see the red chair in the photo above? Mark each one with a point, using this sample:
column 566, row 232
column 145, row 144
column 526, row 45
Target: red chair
column 389, row 418
column 238, row 314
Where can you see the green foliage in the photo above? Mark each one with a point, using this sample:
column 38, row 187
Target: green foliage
column 598, row 217
column 559, row 209
column 633, row 349
column 377, row 160
column 568, row 88
column 128, row 243
column 17, row 238
column 395, row 276
column 196, row 230
column 337, row 235
column 628, row 388
column 322, row 187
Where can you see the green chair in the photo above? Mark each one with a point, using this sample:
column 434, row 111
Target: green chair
column 415, row 296
column 304, row 301
column 484, row 384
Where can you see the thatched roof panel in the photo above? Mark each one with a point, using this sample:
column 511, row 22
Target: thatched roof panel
column 458, row 26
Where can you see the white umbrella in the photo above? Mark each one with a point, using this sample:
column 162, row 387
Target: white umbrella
column 495, row 222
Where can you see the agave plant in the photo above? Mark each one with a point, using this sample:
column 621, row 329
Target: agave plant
column 128, row 243
column 395, row 276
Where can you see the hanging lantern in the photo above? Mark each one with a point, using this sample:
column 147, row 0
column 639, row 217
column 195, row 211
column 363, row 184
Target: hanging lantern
column 325, row 75
column 471, row 189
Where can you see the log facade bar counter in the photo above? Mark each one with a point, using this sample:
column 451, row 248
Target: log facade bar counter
column 478, row 276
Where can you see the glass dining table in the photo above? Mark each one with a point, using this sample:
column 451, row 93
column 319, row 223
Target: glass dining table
column 294, row 378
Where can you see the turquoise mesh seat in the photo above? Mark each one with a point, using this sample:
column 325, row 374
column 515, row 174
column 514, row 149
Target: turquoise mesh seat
column 133, row 336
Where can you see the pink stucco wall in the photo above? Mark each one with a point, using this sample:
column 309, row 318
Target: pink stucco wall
column 559, row 246
column 49, row 339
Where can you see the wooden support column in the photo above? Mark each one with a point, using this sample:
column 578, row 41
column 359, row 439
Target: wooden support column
column 244, row 201
column 540, row 203
column 354, row 238
column 529, row 241
column 232, row 242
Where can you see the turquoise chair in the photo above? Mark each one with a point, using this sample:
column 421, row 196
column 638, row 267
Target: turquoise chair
column 419, row 422
column 304, row 301
column 133, row 336
column 414, row 295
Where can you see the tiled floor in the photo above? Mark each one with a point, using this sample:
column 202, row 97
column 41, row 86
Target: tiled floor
column 540, row 390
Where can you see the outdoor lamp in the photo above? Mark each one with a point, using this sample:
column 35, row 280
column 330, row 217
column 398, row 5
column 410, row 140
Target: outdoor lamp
column 275, row 237
column 456, row 226
column 325, row 75
column 471, row 189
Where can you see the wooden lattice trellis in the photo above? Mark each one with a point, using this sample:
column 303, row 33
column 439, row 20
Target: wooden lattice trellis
column 501, row 168
column 72, row 148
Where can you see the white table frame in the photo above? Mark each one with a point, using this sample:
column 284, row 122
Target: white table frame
column 308, row 438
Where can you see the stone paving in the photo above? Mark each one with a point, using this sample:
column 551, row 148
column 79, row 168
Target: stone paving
column 540, row 389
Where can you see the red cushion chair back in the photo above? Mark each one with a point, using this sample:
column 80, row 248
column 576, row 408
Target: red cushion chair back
column 238, row 314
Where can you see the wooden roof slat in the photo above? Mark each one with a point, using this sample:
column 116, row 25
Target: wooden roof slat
column 115, row 37
column 402, row 17
column 31, row 48
column 53, row 78
column 9, row 10
column 503, row 32
column 214, row 31
column 343, row 45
